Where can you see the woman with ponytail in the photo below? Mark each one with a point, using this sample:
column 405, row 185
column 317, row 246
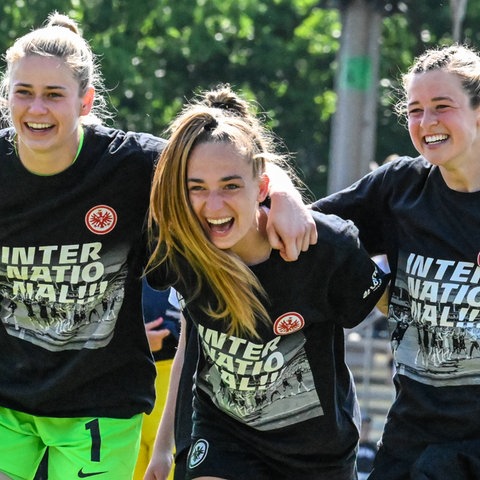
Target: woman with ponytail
column 76, row 371
column 273, row 397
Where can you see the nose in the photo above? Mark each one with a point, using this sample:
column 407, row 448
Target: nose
column 429, row 117
column 37, row 105
column 214, row 201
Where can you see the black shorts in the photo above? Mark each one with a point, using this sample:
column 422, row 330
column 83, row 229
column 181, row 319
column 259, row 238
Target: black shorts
column 234, row 461
column 180, row 469
column 448, row 460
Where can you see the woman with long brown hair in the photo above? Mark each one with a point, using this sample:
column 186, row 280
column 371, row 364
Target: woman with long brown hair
column 261, row 322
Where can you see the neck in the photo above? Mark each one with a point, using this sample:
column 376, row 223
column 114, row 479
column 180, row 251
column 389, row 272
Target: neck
column 462, row 180
column 256, row 248
column 51, row 161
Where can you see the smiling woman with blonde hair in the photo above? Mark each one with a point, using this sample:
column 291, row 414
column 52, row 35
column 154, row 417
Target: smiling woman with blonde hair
column 76, row 371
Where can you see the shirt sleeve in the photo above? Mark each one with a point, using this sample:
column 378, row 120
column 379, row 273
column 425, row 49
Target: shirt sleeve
column 357, row 283
column 363, row 203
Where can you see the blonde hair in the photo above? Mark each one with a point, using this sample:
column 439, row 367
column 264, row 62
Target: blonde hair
column 218, row 116
column 60, row 37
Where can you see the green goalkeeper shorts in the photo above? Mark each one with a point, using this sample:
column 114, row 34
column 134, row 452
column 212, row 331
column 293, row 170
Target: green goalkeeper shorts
column 84, row 447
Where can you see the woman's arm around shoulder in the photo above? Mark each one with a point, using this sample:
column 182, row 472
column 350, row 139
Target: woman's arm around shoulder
column 290, row 226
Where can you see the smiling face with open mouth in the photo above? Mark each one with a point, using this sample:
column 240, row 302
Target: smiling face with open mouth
column 46, row 106
column 443, row 126
column 225, row 197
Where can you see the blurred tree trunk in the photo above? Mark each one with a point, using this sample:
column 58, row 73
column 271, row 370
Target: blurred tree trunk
column 352, row 145
column 459, row 8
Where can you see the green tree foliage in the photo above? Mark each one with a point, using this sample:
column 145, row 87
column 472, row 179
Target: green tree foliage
column 154, row 54
column 278, row 52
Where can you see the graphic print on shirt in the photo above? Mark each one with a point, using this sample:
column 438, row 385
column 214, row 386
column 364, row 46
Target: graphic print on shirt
column 101, row 219
column 61, row 296
column 264, row 385
column 436, row 341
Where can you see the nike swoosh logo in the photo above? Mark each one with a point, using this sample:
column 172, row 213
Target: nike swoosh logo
column 82, row 474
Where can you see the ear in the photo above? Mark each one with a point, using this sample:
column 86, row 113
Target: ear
column 478, row 116
column 87, row 101
column 264, row 184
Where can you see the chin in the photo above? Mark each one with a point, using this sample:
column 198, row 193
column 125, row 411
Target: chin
column 221, row 245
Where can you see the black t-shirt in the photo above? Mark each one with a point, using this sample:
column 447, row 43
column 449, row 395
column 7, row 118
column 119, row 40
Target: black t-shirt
column 289, row 394
column 72, row 339
column 431, row 235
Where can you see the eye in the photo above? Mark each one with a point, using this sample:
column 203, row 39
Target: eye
column 195, row 188
column 54, row 95
column 415, row 112
column 21, row 92
column 442, row 107
column 231, row 186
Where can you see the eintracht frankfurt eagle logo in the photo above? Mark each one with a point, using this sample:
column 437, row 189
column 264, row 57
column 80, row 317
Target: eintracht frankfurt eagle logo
column 101, row 219
column 288, row 323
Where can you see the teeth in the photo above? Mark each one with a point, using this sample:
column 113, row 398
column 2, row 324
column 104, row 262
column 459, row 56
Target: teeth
column 435, row 138
column 218, row 221
column 39, row 126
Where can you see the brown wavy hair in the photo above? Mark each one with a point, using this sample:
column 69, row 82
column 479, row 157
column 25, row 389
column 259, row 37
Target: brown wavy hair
column 460, row 60
column 217, row 115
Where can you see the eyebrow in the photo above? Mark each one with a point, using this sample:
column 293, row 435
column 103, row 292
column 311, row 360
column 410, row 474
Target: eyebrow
column 48, row 87
column 223, row 179
column 435, row 99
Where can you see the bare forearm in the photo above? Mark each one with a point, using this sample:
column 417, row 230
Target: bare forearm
column 290, row 226
column 162, row 459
